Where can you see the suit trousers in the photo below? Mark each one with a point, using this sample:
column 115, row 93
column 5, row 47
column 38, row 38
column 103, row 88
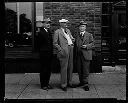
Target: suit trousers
column 45, row 70
column 67, row 68
column 83, row 67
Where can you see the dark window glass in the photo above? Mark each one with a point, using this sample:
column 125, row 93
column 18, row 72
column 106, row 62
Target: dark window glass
column 106, row 32
column 106, row 8
column 106, row 20
column 18, row 24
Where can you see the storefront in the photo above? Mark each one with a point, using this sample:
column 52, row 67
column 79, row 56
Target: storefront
column 22, row 17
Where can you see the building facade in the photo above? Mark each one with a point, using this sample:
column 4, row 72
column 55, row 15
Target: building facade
column 100, row 17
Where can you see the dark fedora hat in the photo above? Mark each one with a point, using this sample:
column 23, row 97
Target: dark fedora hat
column 82, row 23
column 46, row 20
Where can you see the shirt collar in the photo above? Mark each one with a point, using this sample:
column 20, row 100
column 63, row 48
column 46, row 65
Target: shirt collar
column 82, row 33
column 63, row 30
column 46, row 29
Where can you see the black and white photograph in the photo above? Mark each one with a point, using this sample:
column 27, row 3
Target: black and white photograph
column 65, row 50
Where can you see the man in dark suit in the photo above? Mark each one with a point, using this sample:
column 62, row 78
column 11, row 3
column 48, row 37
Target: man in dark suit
column 45, row 42
column 84, row 44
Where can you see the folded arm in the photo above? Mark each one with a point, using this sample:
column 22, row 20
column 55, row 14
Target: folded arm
column 91, row 43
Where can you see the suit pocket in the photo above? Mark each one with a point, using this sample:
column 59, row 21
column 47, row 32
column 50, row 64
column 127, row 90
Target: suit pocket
column 87, row 54
column 61, row 54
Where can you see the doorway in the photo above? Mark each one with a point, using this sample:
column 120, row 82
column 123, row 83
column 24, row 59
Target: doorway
column 119, row 35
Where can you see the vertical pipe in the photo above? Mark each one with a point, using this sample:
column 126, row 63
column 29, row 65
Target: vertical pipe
column 18, row 18
column 43, row 9
column 33, row 24
column 2, row 51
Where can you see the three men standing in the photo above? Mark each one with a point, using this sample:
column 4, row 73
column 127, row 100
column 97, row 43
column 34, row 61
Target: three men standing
column 84, row 44
column 63, row 42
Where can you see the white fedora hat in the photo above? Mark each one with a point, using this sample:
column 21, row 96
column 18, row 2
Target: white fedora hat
column 63, row 21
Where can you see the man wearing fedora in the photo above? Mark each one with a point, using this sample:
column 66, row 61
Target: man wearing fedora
column 63, row 43
column 84, row 44
column 45, row 42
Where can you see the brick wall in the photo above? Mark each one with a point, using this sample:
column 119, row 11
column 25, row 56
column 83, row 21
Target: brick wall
column 75, row 12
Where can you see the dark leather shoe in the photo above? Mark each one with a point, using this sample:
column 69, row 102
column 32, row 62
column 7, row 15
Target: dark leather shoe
column 44, row 88
column 80, row 84
column 70, row 85
column 49, row 87
column 64, row 88
column 86, row 88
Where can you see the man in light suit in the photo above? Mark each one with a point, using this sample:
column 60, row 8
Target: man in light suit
column 84, row 44
column 63, row 42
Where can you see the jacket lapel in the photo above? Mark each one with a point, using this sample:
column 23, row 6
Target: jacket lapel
column 63, row 34
column 85, row 38
column 79, row 41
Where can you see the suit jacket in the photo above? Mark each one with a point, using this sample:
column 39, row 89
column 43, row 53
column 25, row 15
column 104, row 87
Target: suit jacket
column 60, row 43
column 87, row 40
column 45, row 41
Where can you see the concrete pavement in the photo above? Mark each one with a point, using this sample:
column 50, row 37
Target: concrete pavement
column 102, row 85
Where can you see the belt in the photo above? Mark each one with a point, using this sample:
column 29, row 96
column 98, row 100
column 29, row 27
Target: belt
column 71, row 45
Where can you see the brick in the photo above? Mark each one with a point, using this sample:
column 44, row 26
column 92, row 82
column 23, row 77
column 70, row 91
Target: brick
column 98, row 37
column 75, row 12
column 97, row 20
column 97, row 25
column 97, row 49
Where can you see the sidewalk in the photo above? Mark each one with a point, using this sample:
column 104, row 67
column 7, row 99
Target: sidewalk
column 102, row 85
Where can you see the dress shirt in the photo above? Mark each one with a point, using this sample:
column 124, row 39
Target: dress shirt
column 67, row 37
column 82, row 33
column 45, row 29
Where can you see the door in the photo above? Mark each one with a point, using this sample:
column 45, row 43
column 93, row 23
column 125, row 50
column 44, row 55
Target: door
column 119, row 37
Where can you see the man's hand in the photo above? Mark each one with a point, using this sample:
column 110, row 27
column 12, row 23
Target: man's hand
column 84, row 46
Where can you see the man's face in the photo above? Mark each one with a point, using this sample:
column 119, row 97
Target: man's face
column 46, row 25
column 63, row 25
column 82, row 28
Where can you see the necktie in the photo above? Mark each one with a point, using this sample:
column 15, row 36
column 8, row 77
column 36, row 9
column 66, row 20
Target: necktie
column 65, row 31
column 46, row 30
column 81, row 36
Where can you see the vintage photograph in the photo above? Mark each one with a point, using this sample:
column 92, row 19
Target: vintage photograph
column 65, row 50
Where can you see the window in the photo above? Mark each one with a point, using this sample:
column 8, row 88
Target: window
column 18, row 24
column 106, row 32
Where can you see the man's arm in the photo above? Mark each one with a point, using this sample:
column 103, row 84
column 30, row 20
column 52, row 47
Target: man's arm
column 91, row 43
column 56, row 41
